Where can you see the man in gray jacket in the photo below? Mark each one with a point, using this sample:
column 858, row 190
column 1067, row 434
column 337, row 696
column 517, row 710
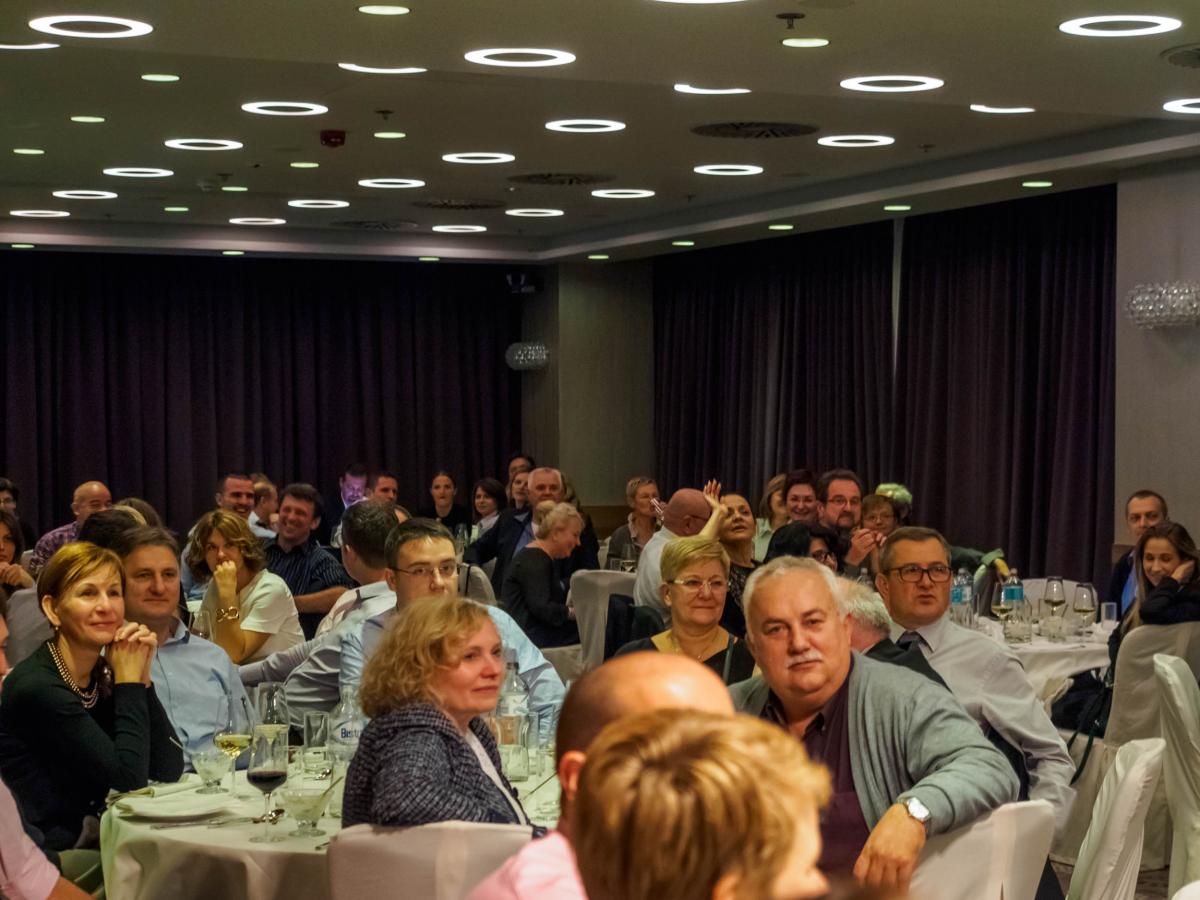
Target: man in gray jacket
column 905, row 758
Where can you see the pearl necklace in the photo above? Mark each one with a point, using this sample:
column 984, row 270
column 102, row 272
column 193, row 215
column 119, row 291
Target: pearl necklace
column 89, row 697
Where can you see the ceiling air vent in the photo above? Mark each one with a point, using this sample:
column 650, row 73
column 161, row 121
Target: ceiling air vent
column 757, row 131
column 1187, row 56
column 443, row 203
column 560, row 179
column 375, row 225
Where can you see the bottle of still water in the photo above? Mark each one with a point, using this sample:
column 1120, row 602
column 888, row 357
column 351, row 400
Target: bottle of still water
column 959, row 611
column 968, row 597
column 346, row 723
column 514, row 694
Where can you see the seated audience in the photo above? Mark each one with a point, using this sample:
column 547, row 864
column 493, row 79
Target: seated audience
column 314, row 577
column 637, row 682
column 443, row 490
column 26, row 873
column 686, row 514
column 427, row 755
column 792, row 539
column 234, row 494
column 89, row 497
column 74, row 724
column 532, row 594
column 772, row 514
column 382, row 485
column 250, row 610
column 683, row 804
column 695, row 573
column 839, row 499
column 1143, row 510
column 148, row 513
column 518, row 490
column 879, row 514
column 104, row 527
column 12, row 545
column 265, row 515
column 1168, row 584
column 489, row 503
column 871, row 631
column 878, row 521
column 800, row 497
column 906, row 760
column 520, row 462
column 629, row 539
column 10, row 498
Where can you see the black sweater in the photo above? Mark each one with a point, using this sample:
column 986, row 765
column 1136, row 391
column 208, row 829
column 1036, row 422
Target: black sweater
column 1168, row 604
column 534, row 597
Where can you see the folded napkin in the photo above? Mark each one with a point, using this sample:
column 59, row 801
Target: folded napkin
column 189, row 782
column 173, row 806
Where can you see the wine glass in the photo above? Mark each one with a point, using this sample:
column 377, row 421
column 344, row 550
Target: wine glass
column 273, row 709
column 1001, row 607
column 1054, row 598
column 1085, row 604
column 233, row 737
column 201, row 627
column 268, row 771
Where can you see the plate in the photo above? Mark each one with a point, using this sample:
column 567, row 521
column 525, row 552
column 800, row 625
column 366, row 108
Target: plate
column 174, row 807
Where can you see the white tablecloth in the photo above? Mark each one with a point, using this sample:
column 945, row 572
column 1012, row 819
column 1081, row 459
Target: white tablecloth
column 1047, row 662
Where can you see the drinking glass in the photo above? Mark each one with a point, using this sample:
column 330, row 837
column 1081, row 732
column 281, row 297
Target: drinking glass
column 201, row 627
column 268, row 771
column 1054, row 598
column 1085, row 605
column 305, row 804
column 211, row 764
column 1108, row 616
column 233, row 737
column 316, row 743
column 272, row 708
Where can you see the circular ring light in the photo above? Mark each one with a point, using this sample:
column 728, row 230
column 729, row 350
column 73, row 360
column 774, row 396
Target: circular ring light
column 728, row 169
column 39, row 213
column 622, row 193
column 138, row 172
column 534, row 213
column 892, row 84
column 478, row 159
column 585, row 126
column 28, row 46
column 689, row 89
column 1001, row 110
column 257, row 220
column 85, row 195
column 856, row 140
column 1191, row 107
column 319, row 204
column 202, row 144
column 373, row 70
column 284, row 108
column 122, row 28
column 459, row 229
column 391, row 183
column 1138, row 25
column 537, row 57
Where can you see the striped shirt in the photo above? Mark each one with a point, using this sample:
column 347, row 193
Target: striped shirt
column 307, row 569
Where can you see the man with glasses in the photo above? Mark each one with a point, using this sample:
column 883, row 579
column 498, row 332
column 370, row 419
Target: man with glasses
column 984, row 675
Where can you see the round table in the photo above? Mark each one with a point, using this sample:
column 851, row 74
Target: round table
column 1048, row 663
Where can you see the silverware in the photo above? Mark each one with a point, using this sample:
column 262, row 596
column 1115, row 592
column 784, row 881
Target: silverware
column 323, row 846
column 196, row 823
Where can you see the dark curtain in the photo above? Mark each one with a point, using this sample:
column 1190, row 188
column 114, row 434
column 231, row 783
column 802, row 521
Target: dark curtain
column 1004, row 384
column 774, row 355
column 154, row 374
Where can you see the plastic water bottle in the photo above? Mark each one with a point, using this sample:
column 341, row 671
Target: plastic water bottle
column 958, row 609
column 968, row 595
column 1018, row 629
column 514, row 694
column 345, row 727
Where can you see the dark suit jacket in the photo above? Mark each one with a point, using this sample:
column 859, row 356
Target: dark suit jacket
column 1116, row 583
column 500, row 543
column 911, row 657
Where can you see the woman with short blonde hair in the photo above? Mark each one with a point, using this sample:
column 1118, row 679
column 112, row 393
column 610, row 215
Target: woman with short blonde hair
column 532, row 592
column 641, row 493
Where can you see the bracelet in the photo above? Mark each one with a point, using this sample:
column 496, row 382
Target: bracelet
column 229, row 615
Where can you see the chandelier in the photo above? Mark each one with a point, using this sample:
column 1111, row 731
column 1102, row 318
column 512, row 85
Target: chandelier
column 527, row 356
column 1164, row 304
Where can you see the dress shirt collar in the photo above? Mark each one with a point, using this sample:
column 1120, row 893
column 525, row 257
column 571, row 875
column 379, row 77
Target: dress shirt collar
column 774, row 711
column 374, row 589
column 934, row 635
column 305, row 548
column 179, row 634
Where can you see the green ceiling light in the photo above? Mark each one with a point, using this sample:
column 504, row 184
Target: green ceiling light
column 28, row 151
column 87, row 120
column 175, row 209
column 378, row 9
column 429, row 259
column 304, row 165
column 683, row 243
column 234, row 188
column 598, row 256
column 21, row 246
column 233, row 252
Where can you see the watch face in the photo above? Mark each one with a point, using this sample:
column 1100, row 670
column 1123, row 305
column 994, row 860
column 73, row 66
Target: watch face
column 917, row 809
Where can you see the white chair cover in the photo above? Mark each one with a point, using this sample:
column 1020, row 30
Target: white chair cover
column 1134, row 716
column 475, row 583
column 1107, row 868
column 602, row 553
column 590, row 590
column 26, row 556
column 1188, row 892
column 1179, row 706
column 1007, row 848
column 443, row 861
column 567, row 661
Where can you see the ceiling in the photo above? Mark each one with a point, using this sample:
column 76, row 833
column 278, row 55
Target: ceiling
column 1098, row 107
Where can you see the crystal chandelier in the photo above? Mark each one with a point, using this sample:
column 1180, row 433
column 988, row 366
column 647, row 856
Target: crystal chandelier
column 1164, row 304
column 523, row 357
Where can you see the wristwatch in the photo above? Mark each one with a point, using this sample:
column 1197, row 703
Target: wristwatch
column 229, row 615
column 917, row 810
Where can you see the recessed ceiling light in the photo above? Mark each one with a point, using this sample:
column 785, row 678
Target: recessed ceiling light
column 376, row 9
column 28, row 151
column 520, row 57
column 305, row 165
column 85, row 195
column 233, row 252
column 319, row 204
column 1119, row 26
column 284, row 108
column 459, row 229
column 478, row 159
column 856, row 140
column 87, row 120
column 257, row 220
column 622, row 193
column 175, row 209
column 683, row 243
column 534, row 213
column 780, row 227
column 585, row 126
column 390, row 135
column 1191, row 107
column 21, row 246
column 598, row 256
column 375, row 70
column 728, row 169
column 700, row 2
column 897, row 207
column 28, row 47
column 234, row 188
column 39, row 213
column 202, row 144
column 160, row 78
column 689, row 89
column 429, row 259
column 391, row 183
column 121, row 28
column 138, row 172
column 892, row 84
column 805, row 43
column 1001, row 110
column 1037, row 184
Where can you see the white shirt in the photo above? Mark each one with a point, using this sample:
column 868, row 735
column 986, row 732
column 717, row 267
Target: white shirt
column 649, row 572
column 348, row 602
column 266, row 606
column 489, row 769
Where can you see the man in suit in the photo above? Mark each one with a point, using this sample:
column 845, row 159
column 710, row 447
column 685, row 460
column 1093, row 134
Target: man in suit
column 871, row 632
column 1143, row 509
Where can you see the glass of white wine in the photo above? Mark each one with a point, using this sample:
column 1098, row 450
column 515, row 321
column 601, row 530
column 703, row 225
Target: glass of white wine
column 1001, row 608
column 1085, row 607
column 1055, row 599
column 232, row 738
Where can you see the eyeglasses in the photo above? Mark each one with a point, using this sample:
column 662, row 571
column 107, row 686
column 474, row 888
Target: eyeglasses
column 938, row 573
column 446, row 569
column 696, row 585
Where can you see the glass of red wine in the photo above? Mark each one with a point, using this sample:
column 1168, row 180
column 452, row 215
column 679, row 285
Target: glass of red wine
column 268, row 771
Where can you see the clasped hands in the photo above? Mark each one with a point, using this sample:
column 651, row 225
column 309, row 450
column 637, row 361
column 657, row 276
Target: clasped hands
column 130, row 653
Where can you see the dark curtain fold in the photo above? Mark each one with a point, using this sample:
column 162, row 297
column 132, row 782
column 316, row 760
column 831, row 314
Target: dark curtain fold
column 156, row 373
column 774, row 355
column 1005, row 377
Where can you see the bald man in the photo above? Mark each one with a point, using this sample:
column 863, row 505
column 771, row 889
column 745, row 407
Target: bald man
column 89, row 497
column 626, row 685
column 685, row 515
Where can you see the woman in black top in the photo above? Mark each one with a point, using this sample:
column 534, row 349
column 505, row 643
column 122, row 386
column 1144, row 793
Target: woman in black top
column 1168, row 583
column 531, row 593
column 443, row 490
column 73, row 724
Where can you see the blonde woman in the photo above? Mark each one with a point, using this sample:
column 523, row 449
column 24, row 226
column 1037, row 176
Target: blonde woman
column 641, row 493
column 532, row 592
column 426, row 755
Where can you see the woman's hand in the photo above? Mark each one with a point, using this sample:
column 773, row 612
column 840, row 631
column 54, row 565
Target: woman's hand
column 130, row 654
column 712, row 492
column 225, row 578
column 12, row 574
column 1183, row 574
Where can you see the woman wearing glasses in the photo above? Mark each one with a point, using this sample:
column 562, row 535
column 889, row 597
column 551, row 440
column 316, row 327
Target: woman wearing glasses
column 695, row 574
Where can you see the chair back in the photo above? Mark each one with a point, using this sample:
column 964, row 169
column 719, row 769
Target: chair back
column 1006, row 850
column 443, row 861
column 1188, row 892
column 26, row 556
column 590, row 590
column 1179, row 707
column 1111, row 853
column 1135, row 690
column 475, row 583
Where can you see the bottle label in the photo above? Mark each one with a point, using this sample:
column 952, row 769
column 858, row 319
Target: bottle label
column 1014, row 593
column 956, row 595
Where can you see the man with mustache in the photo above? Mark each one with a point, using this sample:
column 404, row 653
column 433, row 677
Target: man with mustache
column 906, row 760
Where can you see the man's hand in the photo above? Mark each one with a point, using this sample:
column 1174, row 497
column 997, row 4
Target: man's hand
column 862, row 542
column 890, row 854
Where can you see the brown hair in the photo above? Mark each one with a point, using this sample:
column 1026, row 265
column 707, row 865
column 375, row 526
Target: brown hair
column 234, row 529
column 1179, row 538
column 909, row 533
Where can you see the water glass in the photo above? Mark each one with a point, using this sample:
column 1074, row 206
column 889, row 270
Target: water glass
column 1108, row 616
column 316, row 743
column 211, row 764
column 338, row 781
column 305, row 804
column 1018, row 629
column 514, row 747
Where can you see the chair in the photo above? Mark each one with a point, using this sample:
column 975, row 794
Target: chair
column 1188, row 892
column 1179, row 706
column 474, row 582
column 567, row 661
column 590, row 590
column 1107, row 868
column 1007, row 853
column 26, row 556
column 1134, row 716
column 443, row 861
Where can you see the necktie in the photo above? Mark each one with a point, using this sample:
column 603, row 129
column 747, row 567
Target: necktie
column 908, row 639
